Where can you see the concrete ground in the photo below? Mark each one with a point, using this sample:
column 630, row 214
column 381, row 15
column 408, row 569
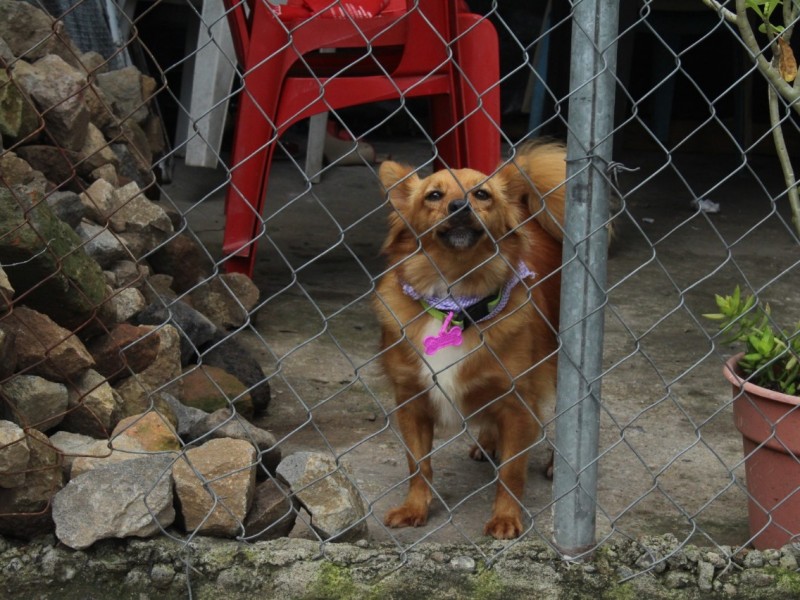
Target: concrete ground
column 670, row 458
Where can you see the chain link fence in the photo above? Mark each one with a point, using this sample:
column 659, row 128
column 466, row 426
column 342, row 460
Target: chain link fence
column 134, row 348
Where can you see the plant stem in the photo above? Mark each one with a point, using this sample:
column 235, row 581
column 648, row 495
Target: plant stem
column 783, row 158
column 776, row 85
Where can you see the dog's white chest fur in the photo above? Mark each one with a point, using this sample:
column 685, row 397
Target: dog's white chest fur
column 440, row 374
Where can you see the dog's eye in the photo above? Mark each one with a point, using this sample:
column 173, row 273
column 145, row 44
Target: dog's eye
column 434, row 195
column 482, row 195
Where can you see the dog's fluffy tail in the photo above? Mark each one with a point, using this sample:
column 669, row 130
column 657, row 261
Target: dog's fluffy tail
column 537, row 175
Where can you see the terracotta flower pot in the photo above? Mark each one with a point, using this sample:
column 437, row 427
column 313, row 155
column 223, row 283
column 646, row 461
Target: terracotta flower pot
column 770, row 426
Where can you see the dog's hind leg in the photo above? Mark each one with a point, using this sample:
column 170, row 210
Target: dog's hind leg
column 416, row 426
column 486, row 448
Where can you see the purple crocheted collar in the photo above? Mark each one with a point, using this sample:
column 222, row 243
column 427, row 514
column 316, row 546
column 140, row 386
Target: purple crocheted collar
column 463, row 307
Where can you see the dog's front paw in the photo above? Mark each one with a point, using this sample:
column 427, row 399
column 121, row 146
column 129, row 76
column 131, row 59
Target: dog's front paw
column 406, row 516
column 503, row 527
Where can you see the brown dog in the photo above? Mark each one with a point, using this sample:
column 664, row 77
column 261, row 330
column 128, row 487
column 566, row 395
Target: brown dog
column 469, row 314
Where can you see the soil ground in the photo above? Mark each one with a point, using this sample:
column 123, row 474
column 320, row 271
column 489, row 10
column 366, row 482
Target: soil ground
column 670, row 459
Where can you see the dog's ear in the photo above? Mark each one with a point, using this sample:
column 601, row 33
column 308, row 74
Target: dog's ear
column 398, row 180
column 514, row 181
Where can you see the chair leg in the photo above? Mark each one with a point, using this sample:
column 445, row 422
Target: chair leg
column 254, row 144
column 478, row 56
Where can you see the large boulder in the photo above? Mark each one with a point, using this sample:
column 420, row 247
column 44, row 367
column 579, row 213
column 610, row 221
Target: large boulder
column 18, row 118
column 28, row 31
column 33, row 402
column 94, row 407
column 327, row 492
column 45, row 260
column 211, row 389
column 195, row 329
column 56, row 89
column 125, row 499
column 45, row 348
column 14, row 455
column 140, row 391
column 227, row 353
column 25, row 511
column 215, row 485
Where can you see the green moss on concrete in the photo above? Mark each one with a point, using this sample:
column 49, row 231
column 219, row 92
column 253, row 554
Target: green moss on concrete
column 333, row 582
column 786, row 582
column 488, row 585
column 624, row 591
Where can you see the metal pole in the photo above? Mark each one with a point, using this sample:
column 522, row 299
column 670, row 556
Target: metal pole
column 583, row 284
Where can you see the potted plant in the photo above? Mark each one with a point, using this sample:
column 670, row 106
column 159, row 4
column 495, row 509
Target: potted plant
column 766, row 410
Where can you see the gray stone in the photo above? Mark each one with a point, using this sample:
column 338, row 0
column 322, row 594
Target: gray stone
column 25, row 510
column 67, row 206
column 34, row 402
column 463, row 563
column 56, row 162
column 101, row 244
column 130, row 498
column 14, row 455
column 18, row 118
column 158, row 290
column 129, row 274
column 51, row 268
column 227, row 353
column 227, row 299
column 215, row 485
column 94, row 407
column 221, row 424
column 56, row 89
column 326, row 491
column 124, row 88
column 95, row 153
column 195, row 329
column 101, row 455
column 20, row 176
column 72, row 445
column 8, row 352
column 134, row 157
column 705, row 576
column 98, row 200
column 29, row 33
column 186, row 416
column 139, row 391
column 126, row 349
column 125, row 303
column 45, row 348
column 183, row 258
column 133, row 212
column 273, row 513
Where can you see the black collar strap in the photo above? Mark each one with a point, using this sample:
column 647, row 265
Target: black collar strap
column 465, row 317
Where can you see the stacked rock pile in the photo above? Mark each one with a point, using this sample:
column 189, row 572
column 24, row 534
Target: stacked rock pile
column 125, row 404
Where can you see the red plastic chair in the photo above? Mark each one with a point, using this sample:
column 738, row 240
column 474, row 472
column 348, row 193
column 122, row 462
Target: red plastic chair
column 424, row 48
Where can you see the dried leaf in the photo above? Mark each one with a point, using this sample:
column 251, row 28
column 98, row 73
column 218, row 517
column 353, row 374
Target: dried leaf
column 786, row 61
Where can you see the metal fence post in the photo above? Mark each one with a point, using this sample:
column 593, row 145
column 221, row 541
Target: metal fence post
column 589, row 144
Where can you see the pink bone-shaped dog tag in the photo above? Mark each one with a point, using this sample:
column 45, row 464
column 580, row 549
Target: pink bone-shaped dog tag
column 444, row 338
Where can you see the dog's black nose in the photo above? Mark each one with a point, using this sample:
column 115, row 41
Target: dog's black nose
column 457, row 205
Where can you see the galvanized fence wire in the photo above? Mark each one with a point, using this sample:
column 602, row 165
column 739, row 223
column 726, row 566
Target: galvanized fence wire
column 698, row 206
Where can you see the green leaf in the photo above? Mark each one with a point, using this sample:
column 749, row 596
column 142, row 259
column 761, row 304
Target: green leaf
column 714, row 316
column 753, row 357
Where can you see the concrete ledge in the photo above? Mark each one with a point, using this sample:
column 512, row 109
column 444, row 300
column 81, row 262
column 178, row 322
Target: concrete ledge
column 164, row 568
